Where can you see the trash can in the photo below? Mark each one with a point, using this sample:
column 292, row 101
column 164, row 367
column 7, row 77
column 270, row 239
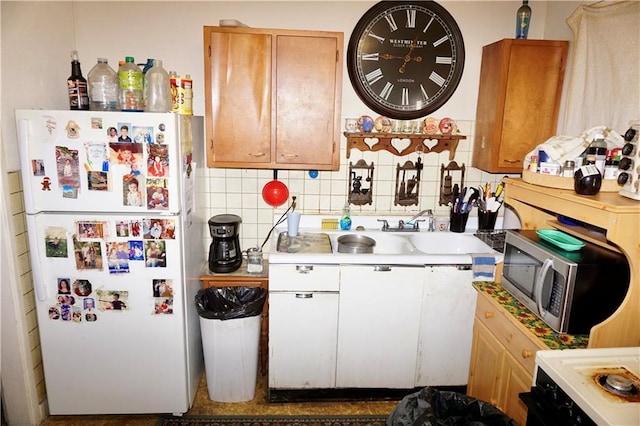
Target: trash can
column 230, row 319
column 430, row 406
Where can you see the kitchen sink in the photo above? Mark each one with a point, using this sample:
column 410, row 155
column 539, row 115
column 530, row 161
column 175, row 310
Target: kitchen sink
column 447, row 243
column 384, row 243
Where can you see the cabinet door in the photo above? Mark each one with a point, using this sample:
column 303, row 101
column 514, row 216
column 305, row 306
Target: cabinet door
column 446, row 327
column 303, row 330
column 308, row 100
column 515, row 380
column 518, row 101
column 487, row 357
column 379, row 326
column 238, row 92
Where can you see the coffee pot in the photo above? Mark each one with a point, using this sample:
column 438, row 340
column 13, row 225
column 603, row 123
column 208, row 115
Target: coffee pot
column 224, row 252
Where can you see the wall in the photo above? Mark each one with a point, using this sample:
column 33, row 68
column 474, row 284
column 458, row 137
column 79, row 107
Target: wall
column 37, row 38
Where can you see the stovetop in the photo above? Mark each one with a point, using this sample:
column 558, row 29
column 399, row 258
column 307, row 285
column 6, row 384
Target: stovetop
column 582, row 374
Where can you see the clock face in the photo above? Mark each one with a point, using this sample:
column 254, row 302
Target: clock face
column 405, row 58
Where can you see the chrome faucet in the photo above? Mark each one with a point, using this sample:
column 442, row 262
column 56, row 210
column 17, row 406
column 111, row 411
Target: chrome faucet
column 429, row 214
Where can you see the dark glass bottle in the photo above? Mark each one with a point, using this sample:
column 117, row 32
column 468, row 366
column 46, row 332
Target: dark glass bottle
column 523, row 20
column 77, row 86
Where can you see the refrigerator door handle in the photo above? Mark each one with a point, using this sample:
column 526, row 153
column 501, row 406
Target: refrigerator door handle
column 23, row 144
column 36, row 270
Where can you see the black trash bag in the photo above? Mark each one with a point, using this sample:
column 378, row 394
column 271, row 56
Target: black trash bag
column 431, row 407
column 225, row 303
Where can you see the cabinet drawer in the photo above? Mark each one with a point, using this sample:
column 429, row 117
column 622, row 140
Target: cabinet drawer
column 522, row 347
column 304, row 277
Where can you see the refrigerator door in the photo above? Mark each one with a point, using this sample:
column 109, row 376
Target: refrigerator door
column 112, row 312
column 95, row 161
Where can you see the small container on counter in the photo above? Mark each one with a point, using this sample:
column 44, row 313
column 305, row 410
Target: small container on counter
column 254, row 260
column 569, row 168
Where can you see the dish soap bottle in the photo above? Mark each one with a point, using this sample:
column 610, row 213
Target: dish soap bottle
column 523, row 19
column 345, row 220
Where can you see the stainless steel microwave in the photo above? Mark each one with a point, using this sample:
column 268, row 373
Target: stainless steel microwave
column 571, row 291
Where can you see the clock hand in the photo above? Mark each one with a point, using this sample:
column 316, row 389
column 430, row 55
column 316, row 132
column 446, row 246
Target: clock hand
column 407, row 57
column 388, row 56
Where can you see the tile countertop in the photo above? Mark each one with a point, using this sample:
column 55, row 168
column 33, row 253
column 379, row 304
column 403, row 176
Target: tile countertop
column 529, row 320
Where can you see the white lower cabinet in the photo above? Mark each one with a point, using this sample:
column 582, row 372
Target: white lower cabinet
column 379, row 326
column 303, row 326
column 446, row 327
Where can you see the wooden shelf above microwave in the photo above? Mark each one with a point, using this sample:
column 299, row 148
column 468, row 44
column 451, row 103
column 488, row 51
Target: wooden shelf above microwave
column 402, row 143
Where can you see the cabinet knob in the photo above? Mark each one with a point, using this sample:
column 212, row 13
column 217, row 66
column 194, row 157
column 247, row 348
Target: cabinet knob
column 526, row 353
column 509, row 338
column 488, row 314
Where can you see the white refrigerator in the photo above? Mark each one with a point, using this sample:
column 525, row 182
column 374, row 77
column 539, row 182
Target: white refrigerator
column 116, row 254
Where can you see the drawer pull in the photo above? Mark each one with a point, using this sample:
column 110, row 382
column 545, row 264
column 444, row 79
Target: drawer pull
column 381, row 268
column 526, row 353
column 509, row 338
column 304, row 269
column 488, row 314
column 304, row 295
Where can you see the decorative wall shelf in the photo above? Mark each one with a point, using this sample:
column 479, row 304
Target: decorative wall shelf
column 403, row 144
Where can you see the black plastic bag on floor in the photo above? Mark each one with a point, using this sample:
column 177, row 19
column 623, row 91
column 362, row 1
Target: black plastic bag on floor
column 225, row 303
column 431, row 407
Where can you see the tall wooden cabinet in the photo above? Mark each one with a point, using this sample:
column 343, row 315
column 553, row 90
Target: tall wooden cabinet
column 272, row 98
column 518, row 101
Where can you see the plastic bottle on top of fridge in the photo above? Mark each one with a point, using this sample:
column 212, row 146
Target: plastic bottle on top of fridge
column 157, row 90
column 131, row 85
column 103, row 87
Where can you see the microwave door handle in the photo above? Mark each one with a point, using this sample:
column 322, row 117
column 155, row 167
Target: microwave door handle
column 538, row 287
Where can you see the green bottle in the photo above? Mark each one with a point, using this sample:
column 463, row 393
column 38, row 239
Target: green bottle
column 345, row 220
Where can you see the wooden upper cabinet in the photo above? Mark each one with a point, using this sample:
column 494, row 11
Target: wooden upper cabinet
column 518, row 101
column 273, row 98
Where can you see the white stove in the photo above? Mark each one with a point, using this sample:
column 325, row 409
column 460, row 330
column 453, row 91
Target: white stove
column 601, row 384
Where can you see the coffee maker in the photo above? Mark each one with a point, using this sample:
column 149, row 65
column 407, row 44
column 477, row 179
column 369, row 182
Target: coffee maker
column 224, row 251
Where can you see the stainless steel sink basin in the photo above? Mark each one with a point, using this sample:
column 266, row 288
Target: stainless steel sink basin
column 355, row 244
column 373, row 243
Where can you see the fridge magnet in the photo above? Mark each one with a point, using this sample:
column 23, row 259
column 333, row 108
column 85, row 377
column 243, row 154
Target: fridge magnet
column 54, row 313
column 97, row 181
column 73, row 130
column 124, row 132
column 157, row 194
column 89, row 304
column 162, row 288
column 158, row 163
column 126, row 154
column 143, row 134
column 65, row 312
column 163, row 305
column 46, row 183
column 112, row 300
column 155, row 254
column 68, row 167
column 88, row 255
column 131, row 189
column 154, row 231
column 90, row 317
column 38, row 167
column 160, row 138
column 82, row 287
column 118, row 258
column 136, row 226
column 136, row 250
column 55, row 241
column 112, row 134
column 90, row 229
column 77, row 314
column 50, row 125
column 96, row 122
column 65, row 299
column 122, row 228
column 169, row 229
column 63, row 286
column 97, row 156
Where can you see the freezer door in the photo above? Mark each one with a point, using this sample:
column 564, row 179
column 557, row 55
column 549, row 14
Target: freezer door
column 112, row 313
column 94, row 161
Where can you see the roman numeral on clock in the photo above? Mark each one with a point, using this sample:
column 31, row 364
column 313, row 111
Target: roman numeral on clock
column 436, row 79
column 370, row 56
column 444, row 60
column 374, row 76
column 386, row 91
column 405, row 96
column 391, row 22
column 411, row 18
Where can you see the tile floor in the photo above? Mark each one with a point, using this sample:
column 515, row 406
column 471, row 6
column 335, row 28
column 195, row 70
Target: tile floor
column 259, row 406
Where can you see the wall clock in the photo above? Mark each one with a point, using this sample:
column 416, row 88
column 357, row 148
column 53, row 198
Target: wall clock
column 405, row 58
